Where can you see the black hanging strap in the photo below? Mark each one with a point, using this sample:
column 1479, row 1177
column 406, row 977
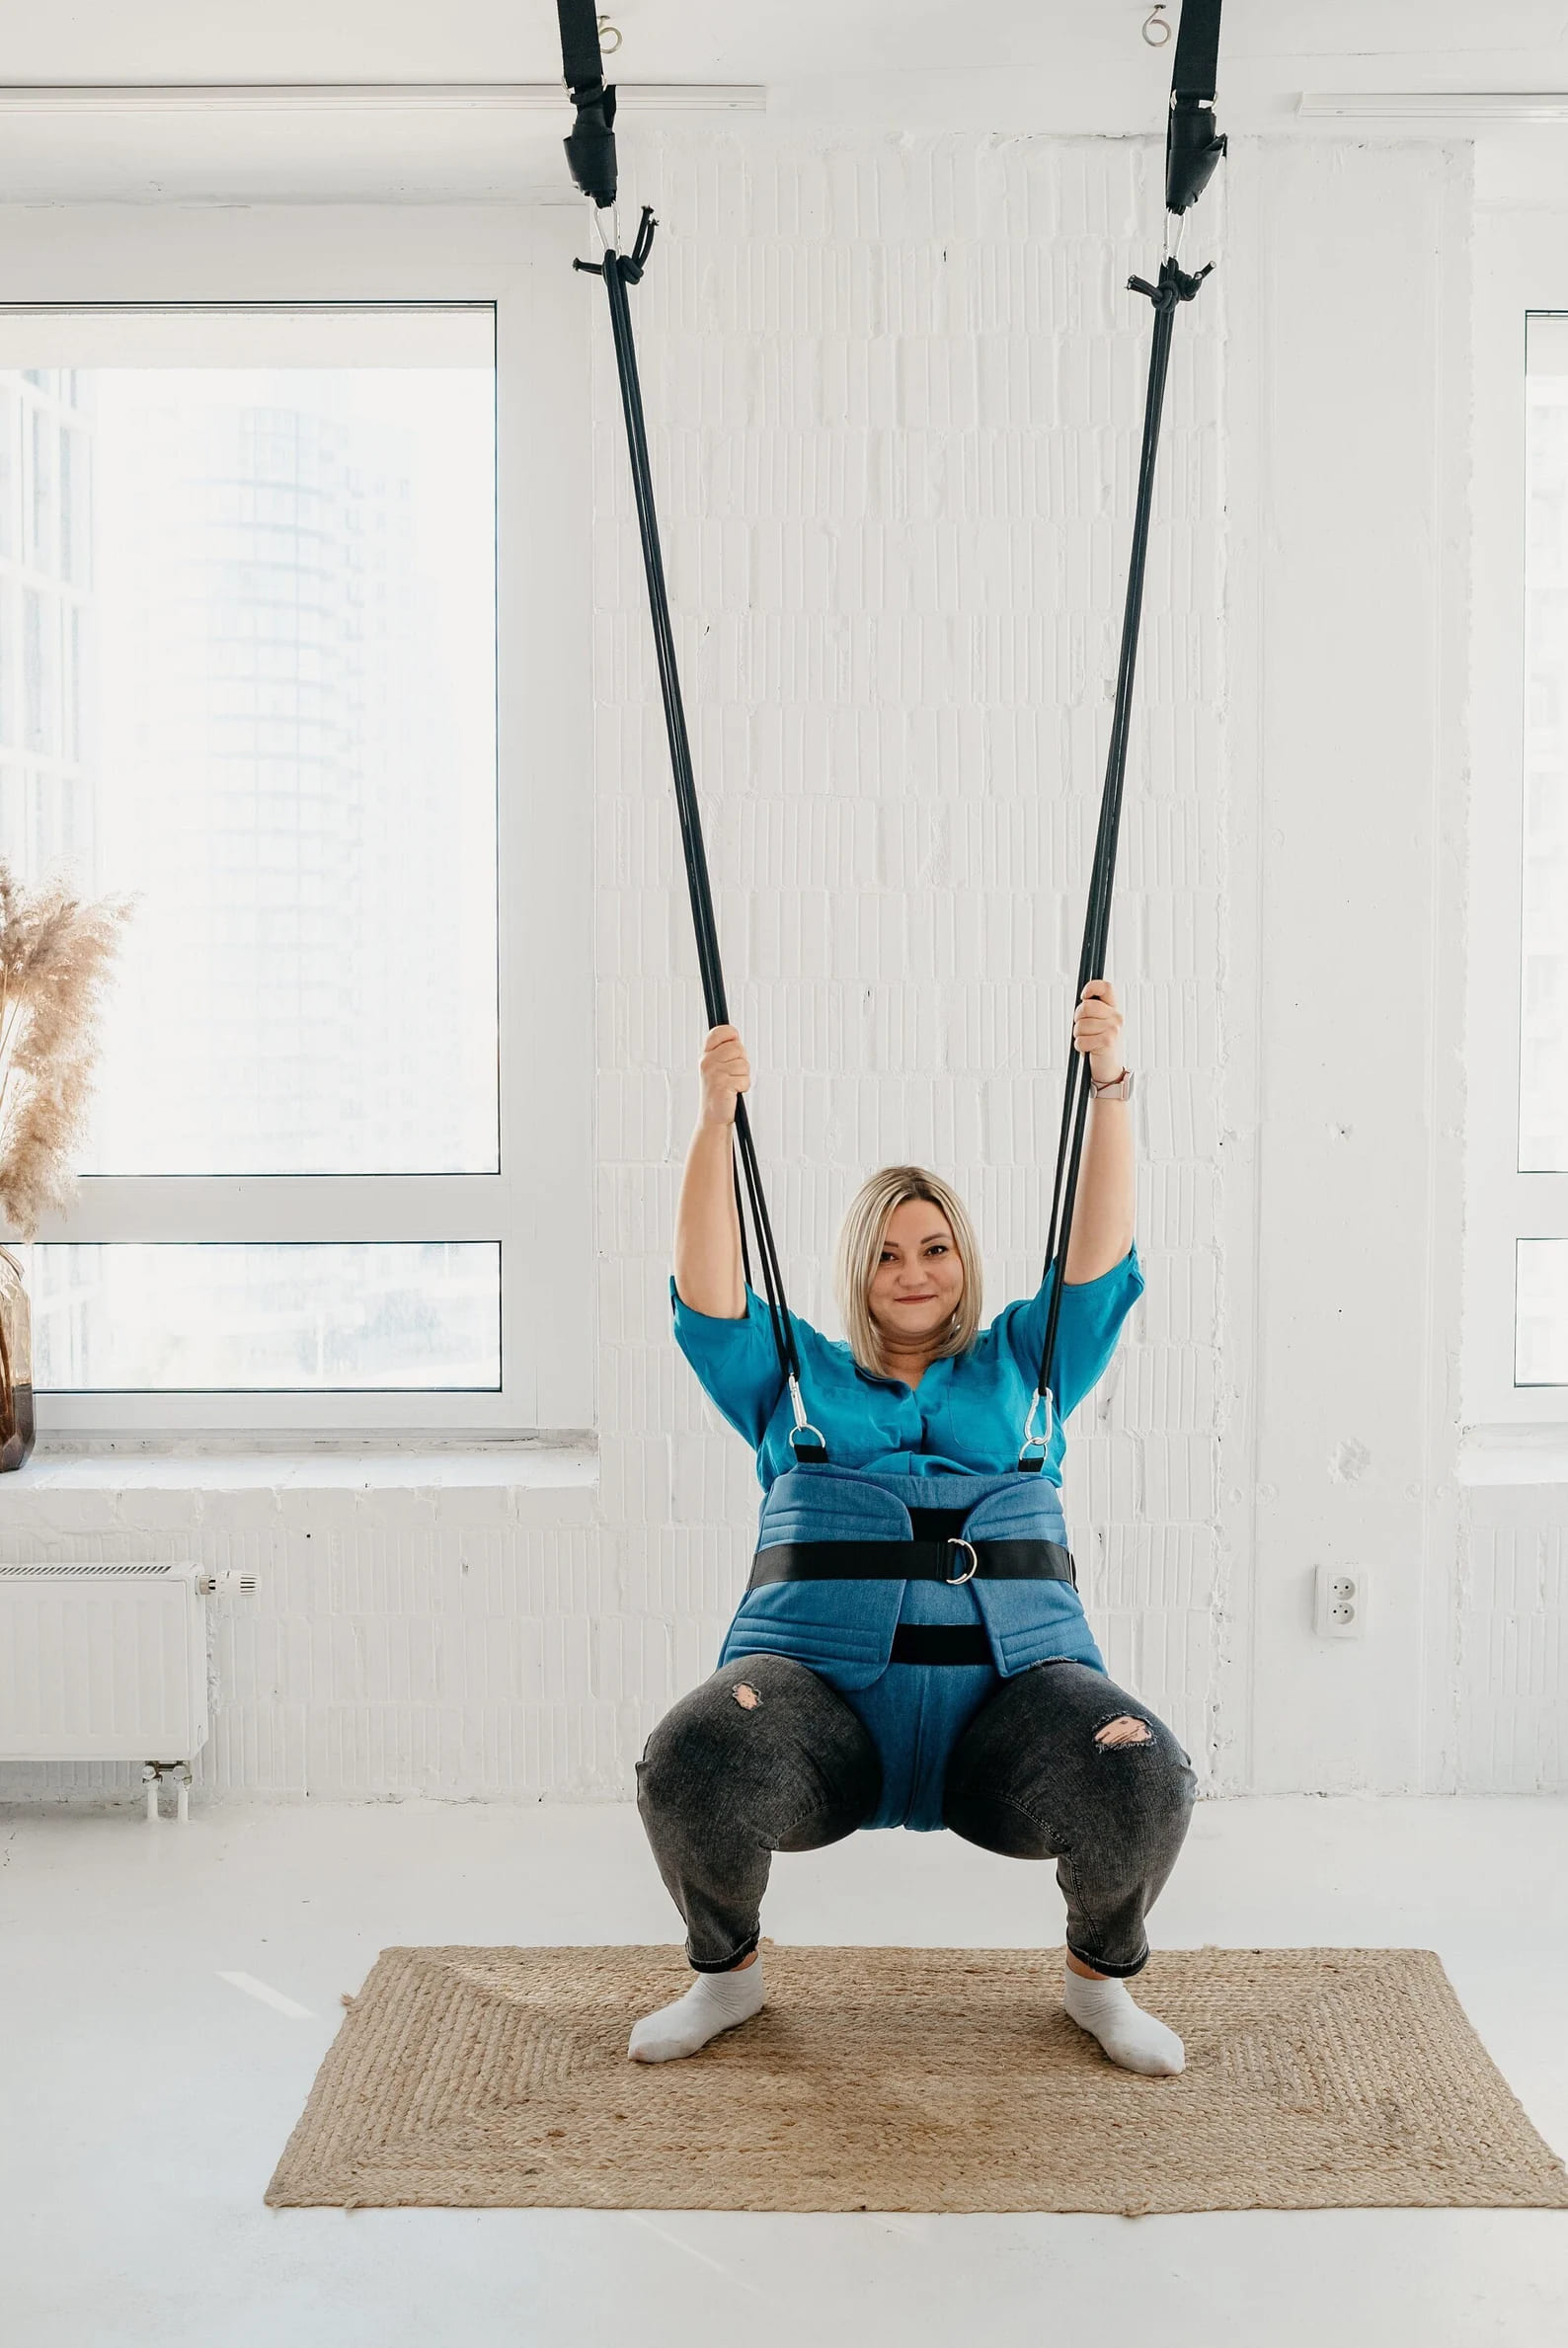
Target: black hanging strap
column 1192, row 147
column 620, row 270
column 1190, row 164
column 1192, row 152
column 590, row 154
column 591, row 147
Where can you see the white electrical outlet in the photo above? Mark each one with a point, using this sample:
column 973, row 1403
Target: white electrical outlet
column 1340, row 1606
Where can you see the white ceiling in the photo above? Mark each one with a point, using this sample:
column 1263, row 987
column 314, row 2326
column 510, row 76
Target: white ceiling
column 1269, row 45
column 1057, row 65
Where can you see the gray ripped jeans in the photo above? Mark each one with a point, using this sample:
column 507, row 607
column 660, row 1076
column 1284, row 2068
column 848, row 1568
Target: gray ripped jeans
column 766, row 1756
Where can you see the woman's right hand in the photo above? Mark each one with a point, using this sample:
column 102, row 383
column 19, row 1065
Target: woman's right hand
column 725, row 1071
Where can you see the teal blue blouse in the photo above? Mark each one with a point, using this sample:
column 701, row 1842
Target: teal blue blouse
column 966, row 1416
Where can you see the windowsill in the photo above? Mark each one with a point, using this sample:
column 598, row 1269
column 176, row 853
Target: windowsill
column 1493, row 1455
column 562, row 1465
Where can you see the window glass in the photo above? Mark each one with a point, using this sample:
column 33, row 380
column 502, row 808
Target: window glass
column 305, row 1317
column 1543, row 1046
column 1540, row 1318
column 248, row 671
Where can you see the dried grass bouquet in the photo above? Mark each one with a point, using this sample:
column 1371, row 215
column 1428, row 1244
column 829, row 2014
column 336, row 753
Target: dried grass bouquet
column 55, row 952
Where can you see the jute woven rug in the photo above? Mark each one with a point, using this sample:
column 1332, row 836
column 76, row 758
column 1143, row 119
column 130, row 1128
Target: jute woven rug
column 911, row 2078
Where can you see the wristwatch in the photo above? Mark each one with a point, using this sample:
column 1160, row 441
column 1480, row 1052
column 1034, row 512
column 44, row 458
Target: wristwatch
column 1120, row 1087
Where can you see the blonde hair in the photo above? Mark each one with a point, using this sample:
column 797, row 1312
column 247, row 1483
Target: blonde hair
column 859, row 1251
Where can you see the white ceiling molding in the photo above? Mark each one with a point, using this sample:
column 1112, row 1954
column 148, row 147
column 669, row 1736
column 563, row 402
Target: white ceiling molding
column 1434, row 106
column 365, row 97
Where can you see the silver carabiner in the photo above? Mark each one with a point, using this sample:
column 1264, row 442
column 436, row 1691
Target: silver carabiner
column 1031, row 1435
column 956, row 1542
column 803, row 1425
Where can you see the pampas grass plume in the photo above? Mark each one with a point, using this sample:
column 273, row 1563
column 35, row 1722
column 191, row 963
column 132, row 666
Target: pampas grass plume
column 55, row 957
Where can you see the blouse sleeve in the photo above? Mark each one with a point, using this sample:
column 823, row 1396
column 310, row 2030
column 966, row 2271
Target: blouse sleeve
column 736, row 1362
column 1092, row 1313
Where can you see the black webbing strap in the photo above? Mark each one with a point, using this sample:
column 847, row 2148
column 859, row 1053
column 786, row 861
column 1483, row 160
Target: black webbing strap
column 619, row 270
column 942, row 1643
column 1195, row 70
column 591, row 146
column 953, row 1562
column 582, row 62
column 1192, row 102
column 1192, row 148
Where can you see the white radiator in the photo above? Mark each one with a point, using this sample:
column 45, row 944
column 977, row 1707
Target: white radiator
column 105, row 1663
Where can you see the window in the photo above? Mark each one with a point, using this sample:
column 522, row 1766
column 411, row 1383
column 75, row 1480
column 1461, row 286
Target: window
column 248, row 671
column 1517, row 1342
column 1540, row 1339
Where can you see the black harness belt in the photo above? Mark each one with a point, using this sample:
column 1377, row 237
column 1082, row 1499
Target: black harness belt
column 952, row 1562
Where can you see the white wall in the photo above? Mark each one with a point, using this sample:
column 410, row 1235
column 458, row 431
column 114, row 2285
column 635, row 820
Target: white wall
column 1512, row 1611
column 1349, row 407
column 897, row 385
column 1512, row 1638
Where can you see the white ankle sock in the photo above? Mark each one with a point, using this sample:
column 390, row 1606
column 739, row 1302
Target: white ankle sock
column 1129, row 2035
column 715, row 2002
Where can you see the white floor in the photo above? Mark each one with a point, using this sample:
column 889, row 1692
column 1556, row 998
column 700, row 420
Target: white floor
column 148, row 2098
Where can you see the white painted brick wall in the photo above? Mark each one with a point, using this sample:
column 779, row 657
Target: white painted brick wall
column 895, row 390
column 1512, row 1644
column 910, row 382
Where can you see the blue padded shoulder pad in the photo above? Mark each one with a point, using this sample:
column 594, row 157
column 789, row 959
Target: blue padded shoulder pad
column 818, row 1504
column 1023, row 1509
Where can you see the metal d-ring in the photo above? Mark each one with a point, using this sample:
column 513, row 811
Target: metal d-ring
column 957, row 1541
column 805, row 1428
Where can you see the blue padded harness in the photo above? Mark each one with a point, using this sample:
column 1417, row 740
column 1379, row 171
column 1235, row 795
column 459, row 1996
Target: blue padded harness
column 845, row 1630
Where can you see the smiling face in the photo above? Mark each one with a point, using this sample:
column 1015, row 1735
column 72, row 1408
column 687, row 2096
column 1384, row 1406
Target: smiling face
column 918, row 1278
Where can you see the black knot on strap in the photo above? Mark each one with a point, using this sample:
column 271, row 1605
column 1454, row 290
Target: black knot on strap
column 1174, row 285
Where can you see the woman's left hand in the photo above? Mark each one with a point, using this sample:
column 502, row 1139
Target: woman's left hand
column 1097, row 1030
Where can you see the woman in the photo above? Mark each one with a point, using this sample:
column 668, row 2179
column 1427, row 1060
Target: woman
column 941, row 1673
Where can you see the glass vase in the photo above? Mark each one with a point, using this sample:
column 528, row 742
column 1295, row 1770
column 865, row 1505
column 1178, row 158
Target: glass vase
column 16, row 1365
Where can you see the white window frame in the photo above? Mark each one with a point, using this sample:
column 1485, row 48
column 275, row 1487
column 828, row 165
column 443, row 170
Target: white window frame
column 1520, row 266
column 539, row 1206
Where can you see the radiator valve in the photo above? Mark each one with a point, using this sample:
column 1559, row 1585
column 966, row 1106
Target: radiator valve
column 226, row 1584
